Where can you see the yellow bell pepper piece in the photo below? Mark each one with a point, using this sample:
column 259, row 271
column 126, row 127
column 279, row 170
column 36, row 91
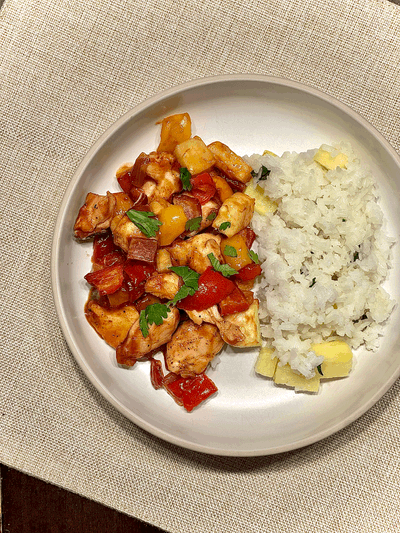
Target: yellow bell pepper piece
column 173, row 220
column 238, row 244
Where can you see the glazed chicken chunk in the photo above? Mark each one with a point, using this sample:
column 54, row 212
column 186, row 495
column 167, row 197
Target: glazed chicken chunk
column 136, row 346
column 192, row 347
column 95, row 215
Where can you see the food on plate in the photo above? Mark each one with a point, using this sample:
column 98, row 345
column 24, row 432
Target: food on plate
column 175, row 270
column 172, row 264
column 324, row 256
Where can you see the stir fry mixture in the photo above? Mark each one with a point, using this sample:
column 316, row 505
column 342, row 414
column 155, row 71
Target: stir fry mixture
column 172, row 265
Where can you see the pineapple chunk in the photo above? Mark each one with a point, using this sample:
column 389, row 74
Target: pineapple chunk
column 337, row 358
column 268, row 152
column 266, row 362
column 238, row 210
column 325, row 159
column 284, row 375
column 263, row 203
column 194, row 155
column 230, row 163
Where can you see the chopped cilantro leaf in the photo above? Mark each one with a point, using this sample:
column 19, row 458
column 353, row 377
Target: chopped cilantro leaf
column 185, row 176
column 262, row 173
column 212, row 215
column 190, row 283
column 314, row 280
column 190, row 277
column 193, row 224
column 230, row 251
column 153, row 314
column 225, row 270
column 224, row 226
column 145, row 221
column 319, row 370
column 254, row 257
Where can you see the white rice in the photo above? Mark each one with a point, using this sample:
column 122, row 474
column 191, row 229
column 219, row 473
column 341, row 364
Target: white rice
column 324, row 256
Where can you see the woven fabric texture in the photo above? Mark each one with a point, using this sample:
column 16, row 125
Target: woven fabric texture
column 68, row 70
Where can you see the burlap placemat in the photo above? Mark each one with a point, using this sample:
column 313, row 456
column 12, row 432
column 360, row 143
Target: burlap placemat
column 68, row 71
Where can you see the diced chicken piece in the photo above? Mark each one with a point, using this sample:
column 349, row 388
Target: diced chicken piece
column 249, row 324
column 128, row 236
column 164, row 285
column 95, row 215
column 123, row 229
column 194, row 251
column 123, row 203
column 166, row 178
column 111, row 324
column 209, row 212
column 194, row 155
column 237, row 211
column 231, row 333
column 179, row 253
column 136, row 346
column 230, row 163
column 192, row 347
column 201, row 246
column 163, row 260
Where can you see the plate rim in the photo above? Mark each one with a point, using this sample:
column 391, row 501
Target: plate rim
column 55, row 249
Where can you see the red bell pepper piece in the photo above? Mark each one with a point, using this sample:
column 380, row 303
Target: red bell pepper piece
column 134, row 176
column 203, row 187
column 156, row 373
column 107, row 280
column 190, row 392
column 213, row 288
column 137, row 271
column 103, row 245
column 235, row 302
column 249, row 272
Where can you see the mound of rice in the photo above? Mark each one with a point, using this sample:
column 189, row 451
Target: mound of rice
column 324, row 256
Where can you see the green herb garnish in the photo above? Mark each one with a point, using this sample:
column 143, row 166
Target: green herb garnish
column 153, row 314
column 225, row 270
column 319, row 370
column 190, row 280
column 356, row 256
column 314, row 280
column 193, row 224
column 230, row 251
column 224, row 226
column 145, row 221
column 254, row 257
column 262, row 173
column 212, row 215
column 185, row 176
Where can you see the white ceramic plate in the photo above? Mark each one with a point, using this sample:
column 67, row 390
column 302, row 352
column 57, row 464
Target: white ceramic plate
column 249, row 415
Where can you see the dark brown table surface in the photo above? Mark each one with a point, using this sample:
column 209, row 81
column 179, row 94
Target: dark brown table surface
column 29, row 505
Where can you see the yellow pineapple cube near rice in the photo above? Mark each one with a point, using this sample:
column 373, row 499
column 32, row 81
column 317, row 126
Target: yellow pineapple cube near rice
column 267, row 152
column 284, row 375
column 263, row 203
column 325, row 159
column 194, row 155
column 266, row 362
column 338, row 358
